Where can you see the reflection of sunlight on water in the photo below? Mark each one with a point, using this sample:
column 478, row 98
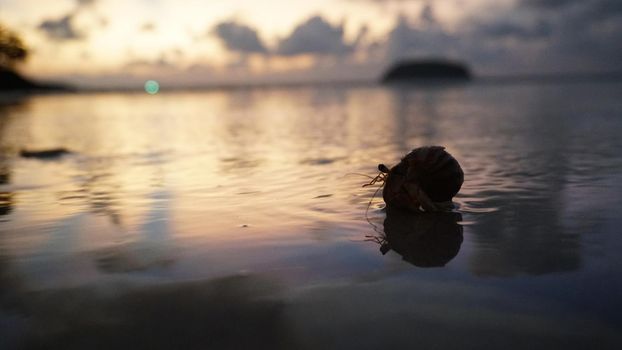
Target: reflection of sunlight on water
column 150, row 247
column 255, row 167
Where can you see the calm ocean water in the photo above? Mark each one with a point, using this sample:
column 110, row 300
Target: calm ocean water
column 234, row 219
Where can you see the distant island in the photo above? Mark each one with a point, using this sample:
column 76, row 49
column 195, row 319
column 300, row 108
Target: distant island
column 423, row 70
column 13, row 81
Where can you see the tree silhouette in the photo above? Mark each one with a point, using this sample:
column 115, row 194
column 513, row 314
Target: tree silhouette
column 12, row 49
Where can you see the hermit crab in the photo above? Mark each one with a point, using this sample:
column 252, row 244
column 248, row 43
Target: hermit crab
column 426, row 179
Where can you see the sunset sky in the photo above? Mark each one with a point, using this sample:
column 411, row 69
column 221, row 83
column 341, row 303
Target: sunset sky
column 198, row 42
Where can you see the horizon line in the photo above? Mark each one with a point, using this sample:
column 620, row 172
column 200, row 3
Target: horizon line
column 567, row 77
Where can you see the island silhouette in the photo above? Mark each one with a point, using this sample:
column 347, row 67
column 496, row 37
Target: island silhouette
column 13, row 51
column 430, row 69
column 11, row 80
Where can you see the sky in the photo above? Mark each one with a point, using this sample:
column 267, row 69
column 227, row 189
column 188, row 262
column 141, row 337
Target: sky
column 121, row 43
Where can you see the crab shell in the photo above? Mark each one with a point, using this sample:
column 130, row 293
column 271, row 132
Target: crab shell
column 428, row 177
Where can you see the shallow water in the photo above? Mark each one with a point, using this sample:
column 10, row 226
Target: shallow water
column 235, row 219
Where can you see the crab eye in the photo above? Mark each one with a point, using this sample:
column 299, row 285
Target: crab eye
column 383, row 168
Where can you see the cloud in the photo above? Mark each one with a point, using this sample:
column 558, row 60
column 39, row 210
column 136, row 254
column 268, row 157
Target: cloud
column 85, row 2
column 148, row 27
column 533, row 36
column 388, row 1
column 550, row 4
column 405, row 40
column 508, row 37
column 583, row 33
column 506, row 29
column 160, row 63
column 427, row 15
column 590, row 9
column 315, row 36
column 239, row 37
column 601, row 10
column 61, row 29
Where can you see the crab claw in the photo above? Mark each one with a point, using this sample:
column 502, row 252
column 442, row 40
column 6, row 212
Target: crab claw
column 418, row 196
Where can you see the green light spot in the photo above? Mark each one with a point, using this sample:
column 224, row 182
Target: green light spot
column 152, row 87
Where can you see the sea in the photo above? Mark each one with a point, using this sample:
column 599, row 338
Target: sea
column 236, row 218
